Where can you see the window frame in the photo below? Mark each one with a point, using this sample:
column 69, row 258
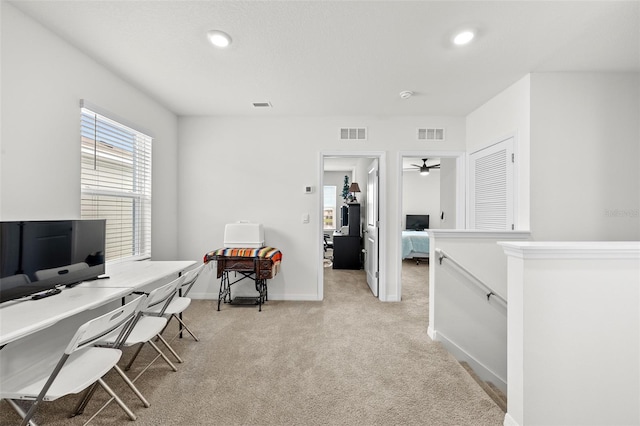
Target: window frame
column 130, row 161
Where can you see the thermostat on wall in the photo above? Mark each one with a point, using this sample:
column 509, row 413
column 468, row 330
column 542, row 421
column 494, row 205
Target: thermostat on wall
column 308, row 189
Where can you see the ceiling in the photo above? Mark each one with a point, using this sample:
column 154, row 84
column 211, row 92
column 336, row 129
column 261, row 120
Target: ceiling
column 337, row 58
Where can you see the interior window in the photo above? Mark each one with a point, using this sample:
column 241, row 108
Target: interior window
column 329, row 207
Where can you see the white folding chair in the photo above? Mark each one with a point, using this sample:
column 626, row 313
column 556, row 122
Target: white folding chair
column 144, row 328
column 151, row 322
column 81, row 364
column 181, row 302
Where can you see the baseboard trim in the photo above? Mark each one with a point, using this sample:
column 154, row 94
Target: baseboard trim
column 432, row 333
column 509, row 421
column 478, row 367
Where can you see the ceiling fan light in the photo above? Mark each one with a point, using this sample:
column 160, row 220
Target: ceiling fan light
column 424, row 172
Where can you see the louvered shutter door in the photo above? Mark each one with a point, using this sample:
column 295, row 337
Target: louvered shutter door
column 491, row 187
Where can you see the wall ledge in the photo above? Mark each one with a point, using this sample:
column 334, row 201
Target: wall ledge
column 479, row 234
column 572, row 249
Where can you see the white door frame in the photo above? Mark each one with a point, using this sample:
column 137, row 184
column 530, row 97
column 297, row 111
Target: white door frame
column 382, row 202
column 461, row 210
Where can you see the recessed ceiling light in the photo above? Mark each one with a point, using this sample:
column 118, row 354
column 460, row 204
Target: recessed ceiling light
column 463, row 37
column 406, row 94
column 219, row 38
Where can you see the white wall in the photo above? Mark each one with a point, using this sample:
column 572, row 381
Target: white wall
column 43, row 80
column 471, row 327
column 255, row 168
column 585, row 179
column 448, row 184
column 573, row 336
column 507, row 114
column 421, row 195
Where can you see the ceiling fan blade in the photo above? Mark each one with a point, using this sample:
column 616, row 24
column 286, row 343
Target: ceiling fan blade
column 415, row 165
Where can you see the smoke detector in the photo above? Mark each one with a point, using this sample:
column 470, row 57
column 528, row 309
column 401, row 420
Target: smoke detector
column 406, row 94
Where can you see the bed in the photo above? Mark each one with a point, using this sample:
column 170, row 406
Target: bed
column 415, row 245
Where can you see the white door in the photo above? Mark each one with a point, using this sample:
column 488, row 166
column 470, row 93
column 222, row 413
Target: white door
column 491, row 189
column 371, row 231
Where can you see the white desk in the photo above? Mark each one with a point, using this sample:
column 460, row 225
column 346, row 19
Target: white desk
column 139, row 274
column 24, row 317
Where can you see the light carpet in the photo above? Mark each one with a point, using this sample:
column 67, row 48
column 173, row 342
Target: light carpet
column 348, row 360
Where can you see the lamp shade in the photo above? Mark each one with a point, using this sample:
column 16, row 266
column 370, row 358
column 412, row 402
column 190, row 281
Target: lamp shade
column 354, row 187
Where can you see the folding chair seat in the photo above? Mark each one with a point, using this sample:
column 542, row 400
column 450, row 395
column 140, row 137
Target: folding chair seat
column 181, row 302
column 59, row 373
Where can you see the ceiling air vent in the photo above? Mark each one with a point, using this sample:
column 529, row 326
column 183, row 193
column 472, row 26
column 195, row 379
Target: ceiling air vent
column 353, row 133
column 262, row 105
column 430, row 134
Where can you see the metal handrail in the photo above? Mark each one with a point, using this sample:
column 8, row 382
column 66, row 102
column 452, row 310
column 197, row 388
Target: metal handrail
column 442, row 255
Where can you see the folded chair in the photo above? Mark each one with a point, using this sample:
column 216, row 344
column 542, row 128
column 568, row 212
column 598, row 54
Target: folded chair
column 81, row 364
column 181, row 302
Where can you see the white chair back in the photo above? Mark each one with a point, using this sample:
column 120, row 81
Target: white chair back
column 161, row 297
column 190, row 279
column 116, row 321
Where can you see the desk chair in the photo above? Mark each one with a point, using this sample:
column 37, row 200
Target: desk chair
column 144, row 328
column 328, row 244
column 80, row 366
column 180, row 303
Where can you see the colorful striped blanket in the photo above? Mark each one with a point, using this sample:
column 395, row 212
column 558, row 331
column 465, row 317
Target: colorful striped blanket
column 263, row 253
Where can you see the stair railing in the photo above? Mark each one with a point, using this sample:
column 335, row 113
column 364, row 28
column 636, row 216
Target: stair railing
column 474, row 279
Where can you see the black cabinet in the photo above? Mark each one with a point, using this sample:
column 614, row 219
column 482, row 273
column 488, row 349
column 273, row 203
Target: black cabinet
column 354, row 220
column 346, row 252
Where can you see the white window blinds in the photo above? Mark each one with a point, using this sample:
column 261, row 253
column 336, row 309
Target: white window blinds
column 491, row 187
column 116, row 183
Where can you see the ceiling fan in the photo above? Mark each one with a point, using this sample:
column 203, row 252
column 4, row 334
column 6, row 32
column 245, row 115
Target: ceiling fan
column 424, row 169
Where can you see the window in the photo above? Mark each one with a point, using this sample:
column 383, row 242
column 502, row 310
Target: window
column 329, row 210
column 116, row 183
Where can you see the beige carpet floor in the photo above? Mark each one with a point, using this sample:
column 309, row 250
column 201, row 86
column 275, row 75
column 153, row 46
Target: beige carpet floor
column 349, row 360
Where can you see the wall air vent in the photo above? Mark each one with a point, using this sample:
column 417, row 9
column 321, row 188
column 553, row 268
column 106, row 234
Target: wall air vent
column 262, row 105
column 353, row 133
column 430, row 134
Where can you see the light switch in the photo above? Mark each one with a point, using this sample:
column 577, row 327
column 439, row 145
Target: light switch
column 305, row 218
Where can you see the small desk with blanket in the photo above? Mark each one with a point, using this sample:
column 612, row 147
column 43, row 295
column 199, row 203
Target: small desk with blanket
column 415, row 245
column 258, row 264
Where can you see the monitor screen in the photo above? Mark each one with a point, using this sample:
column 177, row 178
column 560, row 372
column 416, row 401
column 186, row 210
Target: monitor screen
column 417, row 222
column 40, row 255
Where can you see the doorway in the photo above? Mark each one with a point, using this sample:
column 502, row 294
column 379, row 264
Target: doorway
column 355, row 244
column 431, row 188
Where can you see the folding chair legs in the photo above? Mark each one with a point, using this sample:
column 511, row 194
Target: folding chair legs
column 184, row 326
column 170, row 349
column 132, row 386
column 21, row 412
column 82, row 404
column 157, row 349
column 117, row 399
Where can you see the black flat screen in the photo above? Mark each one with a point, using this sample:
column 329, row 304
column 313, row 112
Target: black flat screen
column 39, row 255
column 417, row 222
